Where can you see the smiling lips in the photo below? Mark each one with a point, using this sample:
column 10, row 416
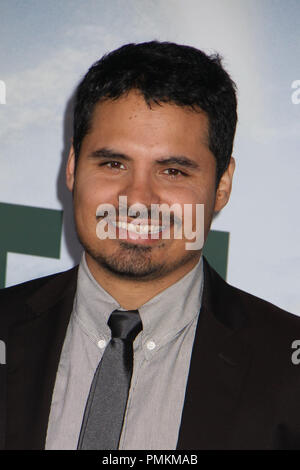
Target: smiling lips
column 141, row 233
column 139, row 228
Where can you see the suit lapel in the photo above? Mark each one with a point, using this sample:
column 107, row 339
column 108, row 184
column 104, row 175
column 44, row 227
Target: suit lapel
column 219, row 361
column 29, row 387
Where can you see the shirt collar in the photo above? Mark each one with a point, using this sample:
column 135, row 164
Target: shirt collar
column 163, row 316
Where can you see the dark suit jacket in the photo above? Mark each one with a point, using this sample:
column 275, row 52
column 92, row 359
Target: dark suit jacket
column 243, row 390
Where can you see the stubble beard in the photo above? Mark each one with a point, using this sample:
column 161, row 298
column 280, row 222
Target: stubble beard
column 132, row 261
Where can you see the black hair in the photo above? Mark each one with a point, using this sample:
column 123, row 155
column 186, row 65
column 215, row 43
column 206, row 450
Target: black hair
column 163, row 72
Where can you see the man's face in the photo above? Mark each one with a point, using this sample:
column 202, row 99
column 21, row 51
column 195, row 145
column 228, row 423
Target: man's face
column 126, row 153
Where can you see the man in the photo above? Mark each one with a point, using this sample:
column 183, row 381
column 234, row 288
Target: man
column 201, row 365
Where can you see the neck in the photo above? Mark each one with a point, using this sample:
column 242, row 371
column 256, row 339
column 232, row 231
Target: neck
column 131, row 294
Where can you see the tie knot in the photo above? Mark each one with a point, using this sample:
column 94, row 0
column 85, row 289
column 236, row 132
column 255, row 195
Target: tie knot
column 125, row 324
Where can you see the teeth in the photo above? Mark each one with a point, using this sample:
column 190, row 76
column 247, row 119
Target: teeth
column 139, row 228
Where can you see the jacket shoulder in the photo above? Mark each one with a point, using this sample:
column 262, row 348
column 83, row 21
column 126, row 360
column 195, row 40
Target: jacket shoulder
column 237, row 307
column 261, row 312
column 14, row 298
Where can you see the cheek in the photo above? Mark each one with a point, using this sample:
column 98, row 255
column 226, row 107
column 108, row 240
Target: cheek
column 192, row 196
column 188, row 200
column 90, row 192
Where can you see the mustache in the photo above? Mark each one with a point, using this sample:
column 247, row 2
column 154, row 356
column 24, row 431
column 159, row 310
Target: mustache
column 156, row 217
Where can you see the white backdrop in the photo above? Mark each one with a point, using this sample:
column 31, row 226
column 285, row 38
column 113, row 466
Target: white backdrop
column 47, row 46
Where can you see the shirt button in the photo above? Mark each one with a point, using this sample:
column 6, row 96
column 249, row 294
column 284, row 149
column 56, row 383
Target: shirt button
column 151, row 345
column 101, row 343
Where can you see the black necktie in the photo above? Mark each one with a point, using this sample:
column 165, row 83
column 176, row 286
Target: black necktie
column 105, row 408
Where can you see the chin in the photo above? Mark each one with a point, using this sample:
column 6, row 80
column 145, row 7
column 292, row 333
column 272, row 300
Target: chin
column 135, row 262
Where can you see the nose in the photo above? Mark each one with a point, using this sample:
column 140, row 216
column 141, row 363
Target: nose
column 141, row 189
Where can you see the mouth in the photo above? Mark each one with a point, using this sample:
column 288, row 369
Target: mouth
column 140, row 232
column 143, row 229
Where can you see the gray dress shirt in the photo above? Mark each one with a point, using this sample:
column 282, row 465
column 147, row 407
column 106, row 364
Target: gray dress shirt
column 162, row 352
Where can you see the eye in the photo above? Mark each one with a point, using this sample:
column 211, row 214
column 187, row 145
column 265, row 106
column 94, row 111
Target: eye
column 174, row 172
column 113, row 165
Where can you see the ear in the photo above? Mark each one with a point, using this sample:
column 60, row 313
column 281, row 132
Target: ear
column 224, row 187
column 70, row 169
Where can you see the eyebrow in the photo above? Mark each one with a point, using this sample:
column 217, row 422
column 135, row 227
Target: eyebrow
column 179, row 160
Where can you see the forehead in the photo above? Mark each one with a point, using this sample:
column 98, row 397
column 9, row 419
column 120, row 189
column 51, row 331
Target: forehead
column 130, row 117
